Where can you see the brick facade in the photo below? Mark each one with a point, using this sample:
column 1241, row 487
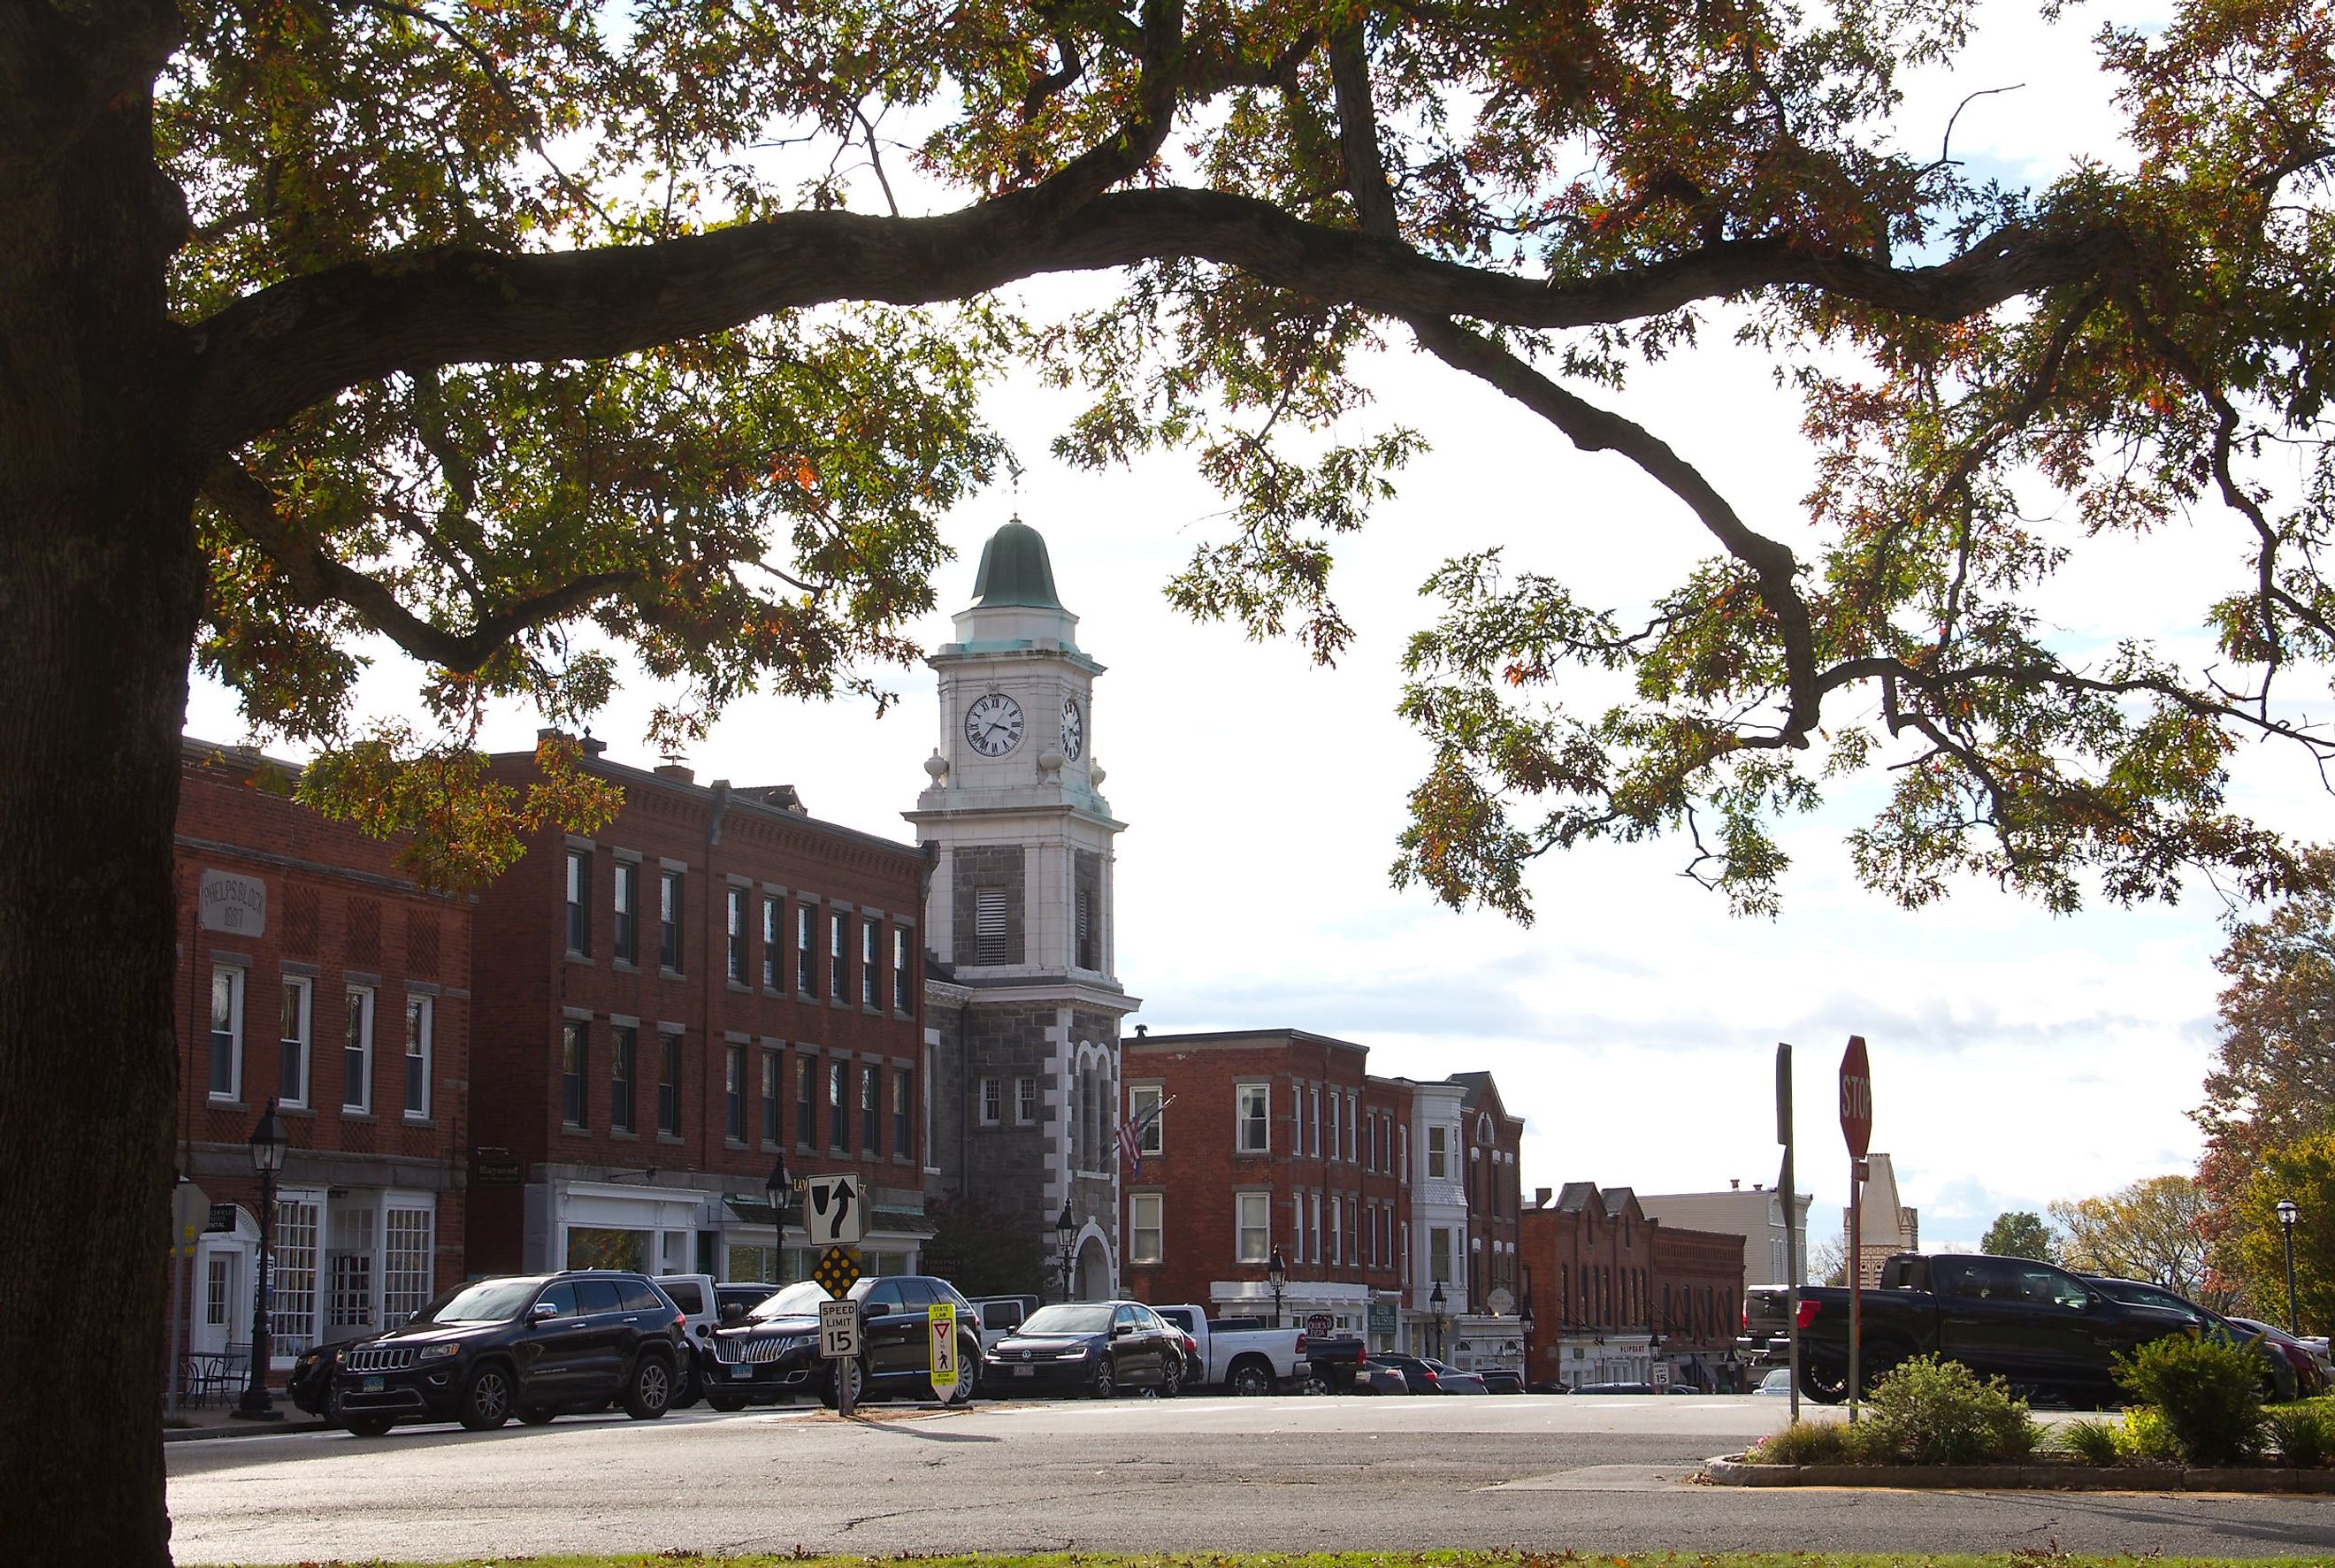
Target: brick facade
column 627, row 1056
column 344, row 992
column 1612, row 1291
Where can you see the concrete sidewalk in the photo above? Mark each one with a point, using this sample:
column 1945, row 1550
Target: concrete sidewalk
column 219, row 1420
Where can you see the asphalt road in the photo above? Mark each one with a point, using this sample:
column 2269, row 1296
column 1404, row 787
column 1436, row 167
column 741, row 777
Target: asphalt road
column 1593, row 1475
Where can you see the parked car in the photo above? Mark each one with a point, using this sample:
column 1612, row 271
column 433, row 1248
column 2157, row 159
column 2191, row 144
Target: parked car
column 772, row 1352
column 1094, row 1348
column 2280, row 1379
column 696, row 1296
column 1376, row 1378
column 2310, row 1374
column 310, row 1383
column 1419, row 1375
column 1776, row 1380
column 1502, row 1381
column 1000, row 1315
column 2039, row 1327
column 1615, row 1388
column 1243, row 1360
column 1450, row 1380
column 534, row 1346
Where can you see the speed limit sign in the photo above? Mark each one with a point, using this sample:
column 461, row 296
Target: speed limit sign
column 839, row 1329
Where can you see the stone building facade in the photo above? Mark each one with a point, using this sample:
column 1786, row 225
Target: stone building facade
column 314, row 974
column 1022, row 1006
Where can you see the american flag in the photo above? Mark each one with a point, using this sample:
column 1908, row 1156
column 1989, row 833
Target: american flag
column 1130, row 1134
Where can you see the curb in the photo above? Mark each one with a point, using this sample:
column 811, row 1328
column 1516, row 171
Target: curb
column 245, row 1429
column 1728, row 1470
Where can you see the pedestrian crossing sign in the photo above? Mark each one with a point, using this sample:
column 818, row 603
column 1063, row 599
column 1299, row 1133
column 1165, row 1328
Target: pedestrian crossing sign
column 941, row 1318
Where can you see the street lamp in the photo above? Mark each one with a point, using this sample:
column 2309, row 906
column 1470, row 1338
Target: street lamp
column 1524, row 1317
column 1066, row 1233
column 268, row 1139
column 1435, row 1300
column 1276, row 1274
column 776, row 1187
column 2289, row 1210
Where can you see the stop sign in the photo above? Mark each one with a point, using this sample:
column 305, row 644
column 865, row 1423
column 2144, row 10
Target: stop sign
column 1856, row 1098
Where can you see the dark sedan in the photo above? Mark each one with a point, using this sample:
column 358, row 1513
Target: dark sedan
column 773, row 1352
column 1094, row 1348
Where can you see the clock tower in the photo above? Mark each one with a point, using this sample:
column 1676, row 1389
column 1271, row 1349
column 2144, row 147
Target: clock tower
column 1024, row 1005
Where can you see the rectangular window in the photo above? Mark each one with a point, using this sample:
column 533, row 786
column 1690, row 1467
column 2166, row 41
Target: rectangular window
column 669, row 1085
column 418, row 1011
column 1144, row 1110
column 227, row 1032
column 408, row 1257
column 903, row 1000
column 572, row 1063
column 806, row 951
column 806, row 1102
column 838, row 1106
column 1025, row 1100
column 1333, row 1124
column 733, row 1093
column 904, row 1083
column 1143, row 1228
column 294, row 1321
column 356, row 1051
column 735, row 918
column 624, row 1049
column 867, row 965
column 839, row 961
column 1253, row 1226
column 669, row 920
column 770, row 943
column 291, row 1040
column 1438, row 1155
column 1087, row 956
column 772, row 1124
column 218, row 1281
column 989, row 925
column 1439, row 1254
column 871, row 1120
column 993, row 1102
column 1354, row 1119
column 1337, row 1226
column 1314, row 1137
column 1402, row 1151
column 348, row 1268
column 1315, row 1252
column 628, row 912
column 1251, row 1129
column 579, row 907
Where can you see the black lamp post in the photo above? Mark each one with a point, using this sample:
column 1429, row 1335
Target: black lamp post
column 1276, row 1274
column 776, row 1188
column 267, row 1143
column 2289, row 1210
column 1435, row 1301
column 1524, row 1317
column 1066, row 1233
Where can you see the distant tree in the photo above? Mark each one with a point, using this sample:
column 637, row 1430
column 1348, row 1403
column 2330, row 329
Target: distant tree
column 2274, row 1073
column 981, row 1254
column 2254, row 1247
column 2152, row 1230
column 2020, row 1235
column 1829, row 1263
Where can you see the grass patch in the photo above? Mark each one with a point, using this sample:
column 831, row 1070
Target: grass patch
column 678, row 1558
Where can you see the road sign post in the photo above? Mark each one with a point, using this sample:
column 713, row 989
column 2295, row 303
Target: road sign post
column 1791, row 1215
column 940, row 1326
column 838, row 1341
column 1856, row 1127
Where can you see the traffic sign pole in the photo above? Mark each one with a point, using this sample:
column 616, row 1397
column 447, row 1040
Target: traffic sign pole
column 1792, row 1264
column 1856, row 1129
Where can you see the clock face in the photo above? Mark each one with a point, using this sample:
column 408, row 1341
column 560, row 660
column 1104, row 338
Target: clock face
column 992, row 725
column 1074, row 729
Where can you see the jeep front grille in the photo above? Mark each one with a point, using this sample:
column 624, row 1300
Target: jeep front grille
column 378, row 1359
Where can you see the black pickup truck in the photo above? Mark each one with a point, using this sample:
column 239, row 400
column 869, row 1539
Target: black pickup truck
column 2047, row 1332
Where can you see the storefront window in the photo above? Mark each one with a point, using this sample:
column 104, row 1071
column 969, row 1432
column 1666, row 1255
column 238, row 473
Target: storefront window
column 588, row 1248
column 294, row 1323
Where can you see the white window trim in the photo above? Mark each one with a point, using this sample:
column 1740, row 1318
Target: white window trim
column 1241, row 1120
column 306, row 987
column 422, row 1010
column 235, row 996
column 1025, row 1101
column 363, row 1001
column 1264, row 1226
column 1137, row 1229
column 993, row 1102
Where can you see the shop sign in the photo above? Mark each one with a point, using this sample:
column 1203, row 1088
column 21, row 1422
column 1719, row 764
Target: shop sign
column 231, row 901
column 496, row 1169
column 1382, row 1317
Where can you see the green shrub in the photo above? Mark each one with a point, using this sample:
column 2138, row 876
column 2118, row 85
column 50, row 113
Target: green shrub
column 2145, row 1435
column 1929, row 1412
column 1810, row 1443
column 2091, row 1441
column 2208, row 1391
column 2302, row 1434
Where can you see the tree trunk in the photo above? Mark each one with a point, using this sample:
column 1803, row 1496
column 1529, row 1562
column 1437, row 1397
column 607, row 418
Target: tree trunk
column 99, row 595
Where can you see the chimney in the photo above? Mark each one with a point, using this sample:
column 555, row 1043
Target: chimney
column 678, row 771
column 1735, row 1184
column 1541, row 1197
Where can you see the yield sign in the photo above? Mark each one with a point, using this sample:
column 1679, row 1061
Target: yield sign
column 1856, row 1098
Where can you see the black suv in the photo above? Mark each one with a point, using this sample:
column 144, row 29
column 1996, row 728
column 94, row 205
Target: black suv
column 532, row 1346
column 774, row 1351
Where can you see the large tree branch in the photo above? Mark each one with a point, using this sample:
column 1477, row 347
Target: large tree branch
column 287, row 346
column 318, row 578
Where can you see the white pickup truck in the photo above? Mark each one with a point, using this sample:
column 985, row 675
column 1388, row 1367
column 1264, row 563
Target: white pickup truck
column 1243, row 1360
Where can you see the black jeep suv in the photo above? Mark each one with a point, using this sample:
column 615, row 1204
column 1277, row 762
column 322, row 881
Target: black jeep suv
column 526, row 1345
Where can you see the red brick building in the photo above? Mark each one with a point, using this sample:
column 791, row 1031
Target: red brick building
column 1613, row 1293
column 1489, row 1333
column 667, row 1008
column 315, row 972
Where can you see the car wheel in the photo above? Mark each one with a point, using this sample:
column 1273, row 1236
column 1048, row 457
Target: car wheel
column 367, row 1426
column 1251, row 1379
column 689, row 1385
column 487, row 1398
column 1826, row 1382
column 1105, row 1382
column 1171, row 1378
column 535, row 1416
column 648, row 1392
column 726, row 1403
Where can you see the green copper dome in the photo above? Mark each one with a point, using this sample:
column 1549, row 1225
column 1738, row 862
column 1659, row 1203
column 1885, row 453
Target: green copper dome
column 1015, row 569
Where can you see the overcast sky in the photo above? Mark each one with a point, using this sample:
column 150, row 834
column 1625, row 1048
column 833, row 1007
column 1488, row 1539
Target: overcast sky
column 2017, row 1058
